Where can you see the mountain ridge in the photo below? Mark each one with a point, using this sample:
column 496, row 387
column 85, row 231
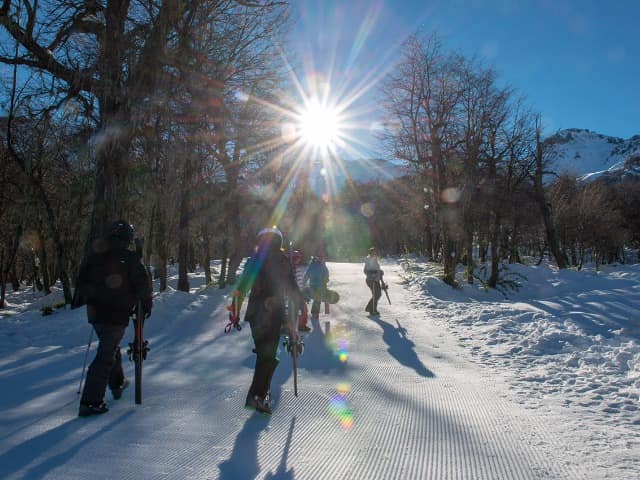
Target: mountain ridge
column 589, row 155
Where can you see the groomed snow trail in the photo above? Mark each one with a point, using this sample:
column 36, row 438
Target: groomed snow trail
column 379, row 398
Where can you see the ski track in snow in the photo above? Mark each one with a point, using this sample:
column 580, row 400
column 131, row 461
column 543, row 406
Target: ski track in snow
column 409, row 402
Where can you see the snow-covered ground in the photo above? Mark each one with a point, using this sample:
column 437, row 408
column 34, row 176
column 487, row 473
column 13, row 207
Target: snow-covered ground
column 568, row 344
column 445, row 384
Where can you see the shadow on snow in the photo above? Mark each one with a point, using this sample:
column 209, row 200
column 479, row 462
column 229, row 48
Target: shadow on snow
column 401, row 347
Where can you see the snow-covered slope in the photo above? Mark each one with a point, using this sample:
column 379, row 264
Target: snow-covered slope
column 588, row 154
column 444, row 384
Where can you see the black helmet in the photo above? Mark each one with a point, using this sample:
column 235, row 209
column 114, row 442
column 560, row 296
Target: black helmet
column 121, row 230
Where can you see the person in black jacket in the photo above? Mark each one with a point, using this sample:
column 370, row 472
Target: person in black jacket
column 269, row 276
column 112, row 280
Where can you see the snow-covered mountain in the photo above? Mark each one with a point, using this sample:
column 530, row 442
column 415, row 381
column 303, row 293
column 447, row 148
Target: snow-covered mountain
column 591, row 155
column 586, row 154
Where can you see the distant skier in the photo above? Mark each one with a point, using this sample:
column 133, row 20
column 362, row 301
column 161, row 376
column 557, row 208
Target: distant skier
column 317, row 275
column 270, row 279
column 111, row 282
column 374, row 275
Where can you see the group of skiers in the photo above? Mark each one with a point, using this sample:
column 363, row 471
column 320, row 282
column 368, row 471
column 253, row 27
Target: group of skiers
column 113, row 280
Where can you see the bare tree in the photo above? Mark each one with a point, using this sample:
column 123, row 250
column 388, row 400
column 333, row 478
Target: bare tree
column 111, row 57
column 422, row 98
column 542, row 158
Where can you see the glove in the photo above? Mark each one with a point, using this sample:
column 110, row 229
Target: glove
column 234, row 317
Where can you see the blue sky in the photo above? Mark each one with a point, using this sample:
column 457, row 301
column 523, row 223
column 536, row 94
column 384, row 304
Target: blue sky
column 576, row 61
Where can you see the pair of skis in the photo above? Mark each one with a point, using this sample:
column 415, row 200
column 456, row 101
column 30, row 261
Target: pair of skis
column 293, row 342
column 139, row 348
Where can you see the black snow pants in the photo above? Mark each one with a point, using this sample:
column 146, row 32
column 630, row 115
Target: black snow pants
column 106, row 368
column 265, row 321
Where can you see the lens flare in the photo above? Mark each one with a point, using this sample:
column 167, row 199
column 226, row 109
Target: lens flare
column 451, row 195
column 339, row 407
column 337, row 341
column 342, row 354
column 367, row 209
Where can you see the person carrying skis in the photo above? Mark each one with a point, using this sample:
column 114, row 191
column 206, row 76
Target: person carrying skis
column 317, row 275
column 374, row 275
column 111, row 282
column 269, row 278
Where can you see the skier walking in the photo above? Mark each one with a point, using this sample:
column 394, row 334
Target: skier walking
column 111, row 282
column 269, row 277
column 374, row 275
column 317, row 275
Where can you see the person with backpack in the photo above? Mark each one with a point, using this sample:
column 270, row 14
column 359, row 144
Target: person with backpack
column 111, row 282
column 373, row 279
column 269, row 279
column 317, row 275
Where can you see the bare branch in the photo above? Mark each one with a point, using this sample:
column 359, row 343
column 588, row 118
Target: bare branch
column 43, row 58
column 249, row 4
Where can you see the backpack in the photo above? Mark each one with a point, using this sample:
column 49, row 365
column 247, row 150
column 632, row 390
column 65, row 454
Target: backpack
column 104, row 281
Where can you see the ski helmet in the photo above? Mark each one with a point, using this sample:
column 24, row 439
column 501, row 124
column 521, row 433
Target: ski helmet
column 121, row 230
column 296, row 257
column 271, row 234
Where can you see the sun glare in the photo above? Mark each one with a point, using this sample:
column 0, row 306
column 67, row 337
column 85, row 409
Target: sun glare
column 320, row 126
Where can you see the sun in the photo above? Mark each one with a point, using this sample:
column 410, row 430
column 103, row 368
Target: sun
column 320, row 126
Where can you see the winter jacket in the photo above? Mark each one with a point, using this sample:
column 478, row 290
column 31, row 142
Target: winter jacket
column 270, row 278
column 111, row 283
column 372, row 269
column 317, row 274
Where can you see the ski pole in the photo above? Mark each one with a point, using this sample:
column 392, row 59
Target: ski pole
column 84, row 362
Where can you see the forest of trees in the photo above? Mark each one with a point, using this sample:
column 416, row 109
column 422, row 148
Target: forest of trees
column 169, row 114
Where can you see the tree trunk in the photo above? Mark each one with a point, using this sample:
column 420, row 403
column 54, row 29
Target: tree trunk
column 44, row 267
column 206, row 253
column 468, row 253
column 428, row 242
column 545, row 208
column 2, row 280
column 150, row 234
column 161, row 248
column 9, row 264
column 449, row 261
column 494, row 239
column 222, row 278
column 192, row 258
column 183, row 234
column 237, row 253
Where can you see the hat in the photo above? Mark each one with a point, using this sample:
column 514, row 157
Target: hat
column 271, row 232
column 121, row 230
